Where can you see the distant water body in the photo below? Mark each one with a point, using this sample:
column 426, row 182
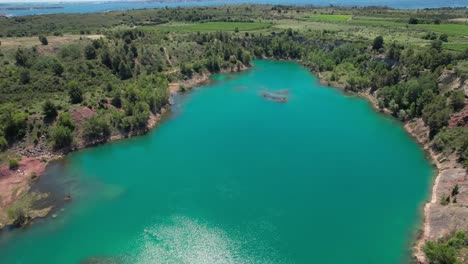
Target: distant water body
column 23, row 9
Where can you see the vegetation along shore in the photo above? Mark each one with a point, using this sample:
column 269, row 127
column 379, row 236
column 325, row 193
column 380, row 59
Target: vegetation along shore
column 75, row 80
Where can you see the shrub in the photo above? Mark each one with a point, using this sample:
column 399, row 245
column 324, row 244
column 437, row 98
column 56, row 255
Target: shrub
column 457, row 100
column 13, row 164
column 3, row 143
column 75, row 92
column 440, row 253
column 58, row 69
column 25, row 76
column 413, row 21
column 61, row 136
column 443, row 37
column 378, row 43
column 96, row 128
column 66, row 120
column 49, row 109
column 90, row 52
column 43, row 40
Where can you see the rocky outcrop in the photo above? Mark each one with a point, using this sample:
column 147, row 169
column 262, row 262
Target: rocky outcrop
column 449, row 80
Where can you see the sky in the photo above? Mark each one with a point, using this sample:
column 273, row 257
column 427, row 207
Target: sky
column 56, row 1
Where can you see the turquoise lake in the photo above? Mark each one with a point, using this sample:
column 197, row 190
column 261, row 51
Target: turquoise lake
column 230, row 177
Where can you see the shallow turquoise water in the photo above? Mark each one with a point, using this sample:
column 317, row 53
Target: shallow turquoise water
column 230, row 177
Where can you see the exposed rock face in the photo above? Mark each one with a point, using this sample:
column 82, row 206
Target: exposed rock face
column 439, row 219
column 460, row 118
column 443, row 219
column 450, row 81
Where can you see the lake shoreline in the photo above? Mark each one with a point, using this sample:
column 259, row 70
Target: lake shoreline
column 16, row 185
column 415, row 128
column 435, row 224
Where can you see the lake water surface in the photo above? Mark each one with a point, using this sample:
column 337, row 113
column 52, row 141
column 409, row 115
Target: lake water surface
column 230, row 177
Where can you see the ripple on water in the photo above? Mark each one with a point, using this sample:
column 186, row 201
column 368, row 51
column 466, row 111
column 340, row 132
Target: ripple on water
column 186, row 240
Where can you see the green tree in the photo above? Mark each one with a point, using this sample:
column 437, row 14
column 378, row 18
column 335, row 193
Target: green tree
column 61, row 136
column 25, row 76
column 96, row 128
column 124, row 71
column 49, row 109
column 440, row 253
column 43, row 40
column 75, row 92
column 443, row 37
column 436, row 114
column 378, row 43
column 12, row 122
column 21, row 57
column 3, row 143
column 57, row 68
column 90, row 52
column 66, row 120
column 457, row 100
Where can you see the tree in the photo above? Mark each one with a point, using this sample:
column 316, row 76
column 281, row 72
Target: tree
column 378, row 43
column 124, row 71
column 66, row 120
column 12, row 122
column 57, row 68
column 21, row 57
column 25, row 76
column 436, row 114
column 457, row 100
column 96, row 128
column 75, row 92
column 3, row 143
column 49, row 109
column 443, row 37
column 61, row 136
column 90, row 52
column 413, row 21
column 440, row 253
column 43, row 40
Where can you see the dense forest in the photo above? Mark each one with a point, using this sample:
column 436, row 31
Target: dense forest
column 67, row 82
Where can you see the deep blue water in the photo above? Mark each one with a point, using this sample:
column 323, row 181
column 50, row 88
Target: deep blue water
column 92, row 7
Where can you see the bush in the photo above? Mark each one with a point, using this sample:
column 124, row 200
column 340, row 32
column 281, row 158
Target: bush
column 96, row 128
column 378, row 43
column 66, row 120
column 90, row 52
column 457, row 100
column 3, row 143
column 25, row 76
column 12, row 122
column 13, row 164
column 443, row 37
column 75, row 92
column 436, row 114
column 43, row 40
column 413, row 21
column 61, row 136
column 58, row 69
column 49, row 109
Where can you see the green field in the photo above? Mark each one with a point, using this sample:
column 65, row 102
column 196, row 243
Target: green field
column 454, row 29
column 209, row 26
column 457, row 46
column 329, row 17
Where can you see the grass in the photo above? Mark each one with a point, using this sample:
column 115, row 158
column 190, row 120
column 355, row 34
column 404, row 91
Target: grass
column 375, row 22
column 209, row 26
column 456, row 46
column 329, row 17
column 453, row 29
